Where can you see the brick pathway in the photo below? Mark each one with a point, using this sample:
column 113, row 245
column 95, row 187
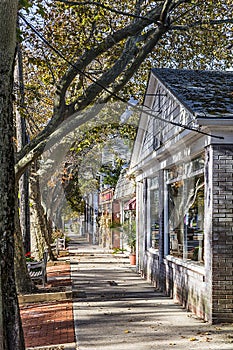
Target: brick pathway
column 50, row 323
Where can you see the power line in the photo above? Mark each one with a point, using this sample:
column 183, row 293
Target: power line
column 135, row 108
column 70, row 63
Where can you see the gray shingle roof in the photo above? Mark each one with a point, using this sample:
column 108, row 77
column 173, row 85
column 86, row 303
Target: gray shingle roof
column 205, row 93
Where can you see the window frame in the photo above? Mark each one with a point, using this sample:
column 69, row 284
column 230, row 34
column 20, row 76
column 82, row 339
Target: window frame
column 191, row 170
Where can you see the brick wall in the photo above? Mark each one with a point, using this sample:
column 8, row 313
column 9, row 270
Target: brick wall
column 186, row 284
column 183, row 281
column 222, row 233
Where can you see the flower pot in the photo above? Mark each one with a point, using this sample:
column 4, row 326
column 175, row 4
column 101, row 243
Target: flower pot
column 132, row 259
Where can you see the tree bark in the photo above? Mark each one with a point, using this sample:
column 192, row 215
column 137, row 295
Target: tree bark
column 23, row 281
column 22, row 140
column 11, row 333
column 39, row 224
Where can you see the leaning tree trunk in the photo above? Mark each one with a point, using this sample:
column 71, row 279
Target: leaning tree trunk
column 39, row 224
column 11, row 333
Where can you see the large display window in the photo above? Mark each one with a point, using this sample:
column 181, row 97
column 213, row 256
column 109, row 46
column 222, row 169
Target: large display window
column 185, row 187
column 154, row 212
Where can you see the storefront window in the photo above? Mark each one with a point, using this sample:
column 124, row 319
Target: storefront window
column 186, row 216
column 154, row 213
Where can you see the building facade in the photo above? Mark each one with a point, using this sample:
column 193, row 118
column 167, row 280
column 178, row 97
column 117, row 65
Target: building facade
column 183, row 163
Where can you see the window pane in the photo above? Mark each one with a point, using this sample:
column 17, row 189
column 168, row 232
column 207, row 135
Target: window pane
column 154, row 214
column 186, row 218
column 176, row 215
column 194, row 218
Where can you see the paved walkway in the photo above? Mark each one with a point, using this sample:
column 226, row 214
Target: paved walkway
column 113, row 309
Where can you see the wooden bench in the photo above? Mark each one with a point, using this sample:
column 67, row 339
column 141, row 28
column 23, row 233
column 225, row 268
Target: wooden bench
column 37, row 269
column 60, row 244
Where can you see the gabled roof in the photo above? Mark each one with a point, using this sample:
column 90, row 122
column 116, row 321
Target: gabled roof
column 205, row 93
column 125, row 187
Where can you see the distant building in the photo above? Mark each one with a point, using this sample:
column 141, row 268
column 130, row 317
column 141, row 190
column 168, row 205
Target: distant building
column 124, row 207
column 124, row 194
column 106, row 214
column 183, row 163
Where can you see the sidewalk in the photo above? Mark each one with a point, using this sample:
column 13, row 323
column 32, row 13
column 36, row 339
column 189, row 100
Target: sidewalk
column 113, row 309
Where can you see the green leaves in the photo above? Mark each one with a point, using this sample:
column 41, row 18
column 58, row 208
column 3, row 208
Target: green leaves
column 117, row 50
column 25, row 5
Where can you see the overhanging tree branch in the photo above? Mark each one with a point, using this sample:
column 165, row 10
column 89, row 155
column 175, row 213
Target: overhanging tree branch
column 111, row 40
column 128, row 74
column 164, row 16
column 109, row 76
column 60, row 112
column 156, row 24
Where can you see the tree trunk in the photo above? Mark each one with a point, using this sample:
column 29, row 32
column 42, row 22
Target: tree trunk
column 39, row 224
column 22, row 140
column 24, row 210
column 11, row 333
column 23, row 281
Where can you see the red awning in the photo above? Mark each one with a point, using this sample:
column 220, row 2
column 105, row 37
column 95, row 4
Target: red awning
column 131, row 204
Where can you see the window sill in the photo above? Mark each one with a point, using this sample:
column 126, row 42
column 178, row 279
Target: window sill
column 194, row 266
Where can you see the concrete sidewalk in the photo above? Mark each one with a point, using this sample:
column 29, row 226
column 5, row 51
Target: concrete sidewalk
column 114, row 309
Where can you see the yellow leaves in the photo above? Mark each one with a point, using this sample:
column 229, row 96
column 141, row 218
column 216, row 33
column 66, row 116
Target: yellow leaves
column 193, row 339
column 203, row 337
column 127, row 331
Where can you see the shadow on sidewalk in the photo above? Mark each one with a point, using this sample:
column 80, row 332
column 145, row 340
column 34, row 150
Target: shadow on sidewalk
column 115, row 309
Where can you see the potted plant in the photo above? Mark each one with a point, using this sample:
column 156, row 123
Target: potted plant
column 132, row 255
column 130, row 233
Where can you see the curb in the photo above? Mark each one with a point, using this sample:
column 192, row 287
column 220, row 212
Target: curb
column 41, row 297
column 69, row 346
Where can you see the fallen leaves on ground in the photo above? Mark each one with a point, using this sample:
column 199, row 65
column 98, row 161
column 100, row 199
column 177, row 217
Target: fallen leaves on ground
column 193, row 339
